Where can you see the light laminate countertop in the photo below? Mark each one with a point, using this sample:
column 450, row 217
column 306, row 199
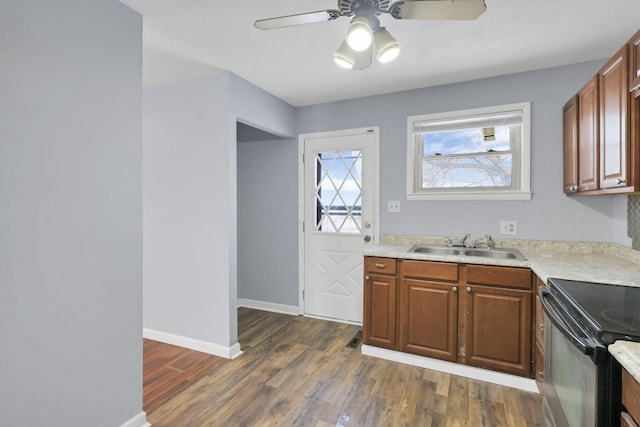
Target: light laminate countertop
column 592, row 262
column 628, row 354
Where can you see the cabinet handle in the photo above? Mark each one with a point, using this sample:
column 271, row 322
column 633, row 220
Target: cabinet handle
column 621, row 181
column 468, row 288
column 540, row 376
column 380, row 265
column 541, row 327
column 367, row 277
column 454, row 289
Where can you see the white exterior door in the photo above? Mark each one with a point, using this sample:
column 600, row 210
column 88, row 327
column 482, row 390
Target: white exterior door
column 340, row 220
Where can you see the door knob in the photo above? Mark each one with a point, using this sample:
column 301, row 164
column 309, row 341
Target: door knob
column 367, row 238
column 367, row 224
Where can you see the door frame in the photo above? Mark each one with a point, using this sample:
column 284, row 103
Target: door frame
column 375, row 130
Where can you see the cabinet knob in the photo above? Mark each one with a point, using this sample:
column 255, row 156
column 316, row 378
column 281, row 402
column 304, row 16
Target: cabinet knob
column 454, row 289
column 367, row 277
column 621, row 181
column 468, row 288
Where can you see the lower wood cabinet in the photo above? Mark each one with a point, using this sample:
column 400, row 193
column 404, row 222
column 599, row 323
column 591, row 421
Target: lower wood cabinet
column 429, row 309
column 498, row 329
column 476, row 315
column 380, row 291
column 630, row 400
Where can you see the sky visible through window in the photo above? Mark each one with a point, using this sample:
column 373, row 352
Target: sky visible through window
column 462, row 158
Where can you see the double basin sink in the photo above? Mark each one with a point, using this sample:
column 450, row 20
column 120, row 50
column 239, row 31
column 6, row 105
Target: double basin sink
column 463, row 251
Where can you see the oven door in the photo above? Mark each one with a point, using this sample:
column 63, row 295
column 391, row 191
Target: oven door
column 573, row 382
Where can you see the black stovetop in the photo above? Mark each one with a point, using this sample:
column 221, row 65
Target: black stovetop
column 611, row 312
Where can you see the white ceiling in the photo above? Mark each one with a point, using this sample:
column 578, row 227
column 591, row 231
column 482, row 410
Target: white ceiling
column 184, row 39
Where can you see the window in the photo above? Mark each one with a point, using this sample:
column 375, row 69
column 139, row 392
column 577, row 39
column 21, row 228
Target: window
column 470, row 155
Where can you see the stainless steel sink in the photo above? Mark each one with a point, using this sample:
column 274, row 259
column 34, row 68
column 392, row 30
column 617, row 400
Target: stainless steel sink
column 436, row 250
column 475, row 252
column 496, row 253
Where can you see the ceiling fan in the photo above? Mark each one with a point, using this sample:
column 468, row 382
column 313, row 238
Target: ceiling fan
column 365, row 31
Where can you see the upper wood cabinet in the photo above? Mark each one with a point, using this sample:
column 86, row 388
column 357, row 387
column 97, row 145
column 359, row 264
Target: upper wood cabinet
column 634, row 62
column 588, row 136
column 614, row 132
column 600, row 141
column 570, row 151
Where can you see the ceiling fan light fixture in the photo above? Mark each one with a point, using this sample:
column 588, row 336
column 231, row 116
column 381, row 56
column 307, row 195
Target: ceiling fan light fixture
column 344, row 56
column 359, row 35
column 387, row 48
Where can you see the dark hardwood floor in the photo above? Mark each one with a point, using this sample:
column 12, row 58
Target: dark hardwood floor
column 297, row 371
column 168, row 370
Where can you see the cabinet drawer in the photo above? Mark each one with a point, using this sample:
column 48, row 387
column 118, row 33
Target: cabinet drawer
column 508, row 277
column 430, row 270
column 631, row 394
column 380, row 265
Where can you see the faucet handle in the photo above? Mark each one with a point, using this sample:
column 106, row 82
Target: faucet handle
column 490, row 242
column 448, row 241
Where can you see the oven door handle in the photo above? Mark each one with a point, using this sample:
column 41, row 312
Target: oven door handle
column 585, row 344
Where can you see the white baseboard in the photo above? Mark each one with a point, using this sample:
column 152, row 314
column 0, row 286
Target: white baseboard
column 268, row 306
column 193, row 344
column 139, row 420
column 526, row 384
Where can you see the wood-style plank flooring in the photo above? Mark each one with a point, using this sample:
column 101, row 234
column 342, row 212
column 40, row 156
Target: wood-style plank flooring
column 297, row 371
column 168, row 370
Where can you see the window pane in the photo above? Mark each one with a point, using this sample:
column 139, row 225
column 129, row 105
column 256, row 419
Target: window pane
column 466, row 172
column 472, row 140
column 338, row 192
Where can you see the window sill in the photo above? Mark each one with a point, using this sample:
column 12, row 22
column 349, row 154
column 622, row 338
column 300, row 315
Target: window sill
column 471, row 195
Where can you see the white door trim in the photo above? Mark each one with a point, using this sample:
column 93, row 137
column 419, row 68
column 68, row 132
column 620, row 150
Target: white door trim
column 375, row 158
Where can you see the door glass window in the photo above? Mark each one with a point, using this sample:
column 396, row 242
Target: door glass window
column 338, row 192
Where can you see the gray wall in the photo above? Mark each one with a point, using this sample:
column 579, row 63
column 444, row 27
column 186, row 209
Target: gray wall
column 550, row 215
column 190, row 201
column 186, row 218
column 268, row 221
column 70, row 213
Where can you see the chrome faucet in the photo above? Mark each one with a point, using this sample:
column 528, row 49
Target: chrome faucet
column 464, row 239
column 490, row 243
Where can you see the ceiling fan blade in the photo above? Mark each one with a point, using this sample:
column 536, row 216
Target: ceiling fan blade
column 363, row 59
column 438, row 9
column 299, row 19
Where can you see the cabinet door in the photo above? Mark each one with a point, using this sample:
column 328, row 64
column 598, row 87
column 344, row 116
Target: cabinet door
column 614, row 105
column 379, row 321
column 570, row 142
column 588, row 136
column 498, row 329
column 429, row 318
column 634, row 57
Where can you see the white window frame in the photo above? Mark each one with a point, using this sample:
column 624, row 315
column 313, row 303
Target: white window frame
column 521, row 173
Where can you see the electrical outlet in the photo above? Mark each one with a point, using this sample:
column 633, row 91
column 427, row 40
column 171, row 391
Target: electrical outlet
column 509, row 227
column 393, row 206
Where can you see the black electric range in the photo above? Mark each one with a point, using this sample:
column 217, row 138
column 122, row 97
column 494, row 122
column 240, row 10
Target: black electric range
column 608, row 312
column 582, row 381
